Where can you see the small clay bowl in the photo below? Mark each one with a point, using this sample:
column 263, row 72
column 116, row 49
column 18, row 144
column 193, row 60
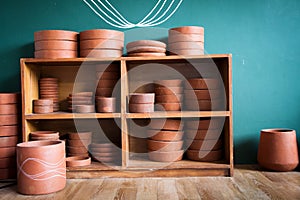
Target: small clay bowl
column 102, row 53
column 165, row 135
column 171, row 156
column 179, row 37
column 8, row 109
column 75, row 150
column 188, row 30
column 202, row 94
column 9, row 141
column 77, row 161
column 204, row 156
column 205, row 145
column 79, row 143
column 152, row 43
column 8, row 162
column 168, row 106
column 141, row 98
column 101, row 34
column 168, row 98
column 53, row 54
column 186, row 45
column 145, row 49
column 106, row 104
column 202, row 84
column 80, row 136
column 8, row 173
column 8, row 130
column 168, row 90
column 7, row 120
column 108, row 75
column 163, row 146
column 55, row 35
column 106, row 83
column 141, row 108
column 104, row 92
column 101, row 44
column 79, row 154
column 9, row 98
column 211, row 134
column 6, row 152
column 85, row 108
column 166, row 124
column 55, row 45
column 205, row 124
column 43, row 109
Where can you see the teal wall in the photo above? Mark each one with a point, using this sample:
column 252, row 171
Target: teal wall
column 262, row 35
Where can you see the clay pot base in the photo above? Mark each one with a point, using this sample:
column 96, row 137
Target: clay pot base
column 77, row 161
column 171, row 156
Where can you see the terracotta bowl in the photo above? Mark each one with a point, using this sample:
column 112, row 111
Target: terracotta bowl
column 77, row 161
column 8, row 130
column 204, row 105
column 80, row 136
column 7, row 120
column 8, row 109
column 212, row 134
column 106, row 104
column 205, row 123
column 141, row 108
column 6, row 152
column 101, row 44
column 141, row 98
column 9, row 162
column 205, row 145
column 165, row 135
column 101, row 34
column 55, row 45
column 168, row 90
column 153, row 43
column 9, row 98
column 54, row 54
column 104, row 92
column 168, row 98
column 166, row 124
column 75, row 150
column 168, row 106
column 202, row 94
column 163, row 146
column 203, row 84
column 108, row 75
column 43, row 109
column 79, row 143
column 169, row 83
column 102, row 53
column 45, row 172
column 106, row 83
column 8, row 173
column 204, row 156
column 180, row 37
column 171, row 156
column 187, row 30
column 55, row 35
column 186, row 45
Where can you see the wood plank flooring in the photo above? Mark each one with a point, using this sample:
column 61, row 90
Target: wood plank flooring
column 248, row 183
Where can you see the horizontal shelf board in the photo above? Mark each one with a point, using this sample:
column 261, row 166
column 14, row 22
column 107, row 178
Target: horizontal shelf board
column 179, row 114
column 66, row 115
column 94, row 166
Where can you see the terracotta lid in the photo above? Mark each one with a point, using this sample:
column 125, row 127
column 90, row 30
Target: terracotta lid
column 8, row 131
column 166, row 156
column 153, row 43
column 53, row 54
column 6, row 152
column 141, row 98
column 9, row 98
column 101, row 34
column 188, row 30
column 179, row 37
column 168, row 106
column 144, row 49
column 80, row 136
column 185, row 45
column 146, row 54
column 204, row 156
column 165, row 135
column 101, row 44
column 55, row 35
column 164, row 146
column 202, row 84
column 8, row 109
column 9, row 141
column 55, row 45
column 76, row 161
column 141, row 108
column 166, row 124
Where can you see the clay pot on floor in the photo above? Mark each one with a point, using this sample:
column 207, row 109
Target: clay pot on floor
column 278, row 149
column 41, row 167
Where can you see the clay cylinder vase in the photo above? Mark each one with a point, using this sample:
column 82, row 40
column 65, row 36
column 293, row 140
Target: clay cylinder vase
column 278, row 149
column 41, row 167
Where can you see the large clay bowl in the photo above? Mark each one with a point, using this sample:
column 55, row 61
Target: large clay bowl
column 169, row 83
column 101, row 34
column 7, row 120
column 55, row 35
column 79, row 143
column 152, row 43
column 77, row 161
column 205, row 145
column 165, row 135
column 8, row 130
column 172, row 98
column 8, row 173
column 203, row 84
column 187, row 30
column 9, row 162
column 168, row 90
column 168, row 106
column 166, row 124
column 204, row 156
column 6, row 152
column 163, row 146
column 77, row 150
column 55, row 45
column 202, row 94
column 211, row 134
column 171, row 156
column 41, row 167
column 141, row 98
column 205, row 123
column 9, row 141
column 53, row 54
column 80, row 136
column 9, row 98
column 141, row 108
column 8, row 109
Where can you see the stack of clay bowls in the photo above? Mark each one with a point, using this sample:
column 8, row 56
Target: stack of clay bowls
column 43, row 106
column 203, row 139
column 107, row 76
column 168, row 95
column 8, row 134
column 146, row 48
column 81, row 102
column 186, row 41
column 101, row 43
column 203, row 94
column 141, row 102
column 105, row 152
column 165, row 140
column 106, row 104
column 44, row 135
column 78, row 143
column 48, row 89
column 55, row 44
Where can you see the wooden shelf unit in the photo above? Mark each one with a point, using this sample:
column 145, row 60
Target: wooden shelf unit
column 135, row 72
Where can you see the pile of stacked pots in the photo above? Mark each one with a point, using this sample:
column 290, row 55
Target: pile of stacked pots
column 203, row 139
column 165, row 140
column 168, row 95
column 48, row 89
column 105, row 153
column 44, row 135
column 100, row 43
column 9, row 129
column 78, row 143
column 107, row 76
column 81, row 102
column 141, row 102
column 146, row 48
column 186, row 40
column 55, row 44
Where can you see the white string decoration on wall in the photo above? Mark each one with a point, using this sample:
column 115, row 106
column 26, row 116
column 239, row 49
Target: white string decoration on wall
column 160, row 13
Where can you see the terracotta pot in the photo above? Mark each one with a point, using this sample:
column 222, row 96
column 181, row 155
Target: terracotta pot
column 168, row 106
column 106, row 83
column 203, row 84
column 108, row 75
column 171, row 156
column 152, row 43
column 168, row 98
column 146, row 49
column 53, row 54
column 165, row 135
column 202, row 94
column 77, row 161
column 6, row 152
column 8, row 109
column 204, row 105
column 204, row 156
column 9, row 141
column 75, row 150
column 103, row 53
column 9, row 162
column 106, row 104
column 55, row 45
column 141, row 108
column 188, row 30
column 205, row 145
column 85, row 108
column 43, row 109
column 8, row 173
column 8, row 131
column 168, row 90
column 55, row 35
column 41, row 167
column 102, row 44
column 205, row 124
column 101, row 34
column 7, row 120
column 180, row 37
column 278, row 149
column 169, row 83
column 104, row 92
column 141, row 98
column 44, row 134
column 146, row 54
column 80, row 136
column 79, row 143
column 9, row 98
column 211, row 134
column 186, row 45
column 166, row 124
column 163, row 146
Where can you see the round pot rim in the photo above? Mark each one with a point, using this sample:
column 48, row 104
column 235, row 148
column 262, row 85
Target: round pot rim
column 40, row 144
column 278, row 130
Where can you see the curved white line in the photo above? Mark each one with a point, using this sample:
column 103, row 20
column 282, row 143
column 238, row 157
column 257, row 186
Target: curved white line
column 117, row 12
column 158, row 2
column 163, row 14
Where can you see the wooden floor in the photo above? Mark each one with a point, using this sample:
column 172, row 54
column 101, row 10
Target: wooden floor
column 247, row 183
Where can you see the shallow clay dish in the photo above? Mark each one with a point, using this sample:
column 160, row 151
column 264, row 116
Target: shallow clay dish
column 7, row 120
column 8, row 109
column 55, row 35
column 101, row 53
column 168, row 90
column 55, row 45
column 153, row 43
column 165, row 156
column 76, row 161
column 9, row 98
column 165, row 135
column 85, row 108
column 101, row 44
column 212, row 134
column 141, row 98
column 146, row 54
column 8, row 162
column 169, row 83
column 202, row 94
column 180, row 37
column 205, row 145
column 166, row 124
column 205, row 123
column 185, row 45
column 144, row 49
column 80, row 136
column 168, row 106
column 141, row 108
column 53, row 54
column 164, row 146
column 172, row 98
column 101, row 34
column 75, row 150
column 8, row 130
column 202, row 84
column 6, row 152
column 204, row 156
column 9, row 141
